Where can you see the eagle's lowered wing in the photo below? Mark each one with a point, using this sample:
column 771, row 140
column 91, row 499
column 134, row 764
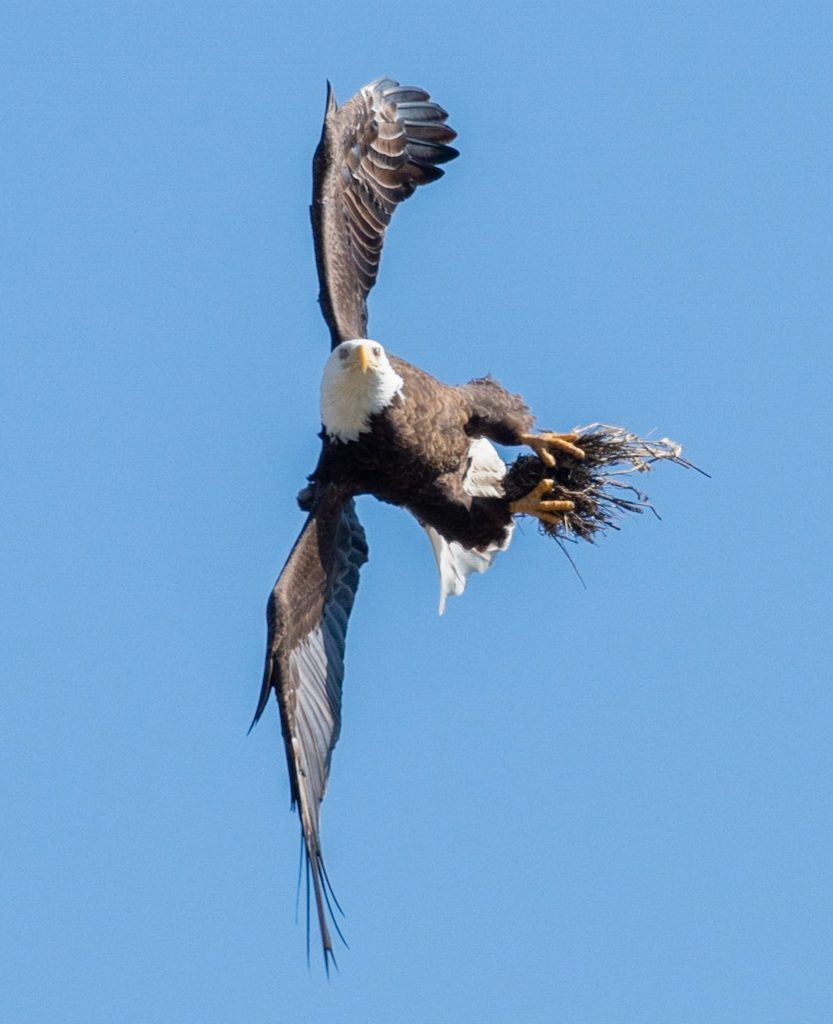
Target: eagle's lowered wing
column 307, row 620
column 374, row 151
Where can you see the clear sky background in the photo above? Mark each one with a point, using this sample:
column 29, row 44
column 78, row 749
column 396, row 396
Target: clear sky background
column 598, row 805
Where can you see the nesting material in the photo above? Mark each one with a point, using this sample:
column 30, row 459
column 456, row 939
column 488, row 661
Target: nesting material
column 601, row 485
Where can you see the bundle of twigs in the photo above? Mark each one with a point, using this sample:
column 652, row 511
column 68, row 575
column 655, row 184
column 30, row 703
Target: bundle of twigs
column 599, row 485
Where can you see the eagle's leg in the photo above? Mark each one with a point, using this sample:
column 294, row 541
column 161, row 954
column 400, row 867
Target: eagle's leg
column 534, row 504
column 546, row 442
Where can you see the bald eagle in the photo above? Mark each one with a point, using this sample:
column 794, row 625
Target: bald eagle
column 388, row 429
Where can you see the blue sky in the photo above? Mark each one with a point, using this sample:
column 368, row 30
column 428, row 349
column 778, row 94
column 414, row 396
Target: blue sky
column 608, row 804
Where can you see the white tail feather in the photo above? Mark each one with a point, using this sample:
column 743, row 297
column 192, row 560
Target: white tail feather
column 484, row 478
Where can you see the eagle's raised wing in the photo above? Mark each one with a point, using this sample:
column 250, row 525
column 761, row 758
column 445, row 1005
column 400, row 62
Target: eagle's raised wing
column 374, row 152
column 307, row 619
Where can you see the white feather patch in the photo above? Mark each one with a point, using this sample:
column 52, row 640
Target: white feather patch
column 349, row 397
column 484, row 479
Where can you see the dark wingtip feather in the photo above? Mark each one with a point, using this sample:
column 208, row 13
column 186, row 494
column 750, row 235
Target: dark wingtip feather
column 427, row 172
column 405, row 93
column 263, row 700
column 427, row 110
column 430, row 152
column 266, row 686
column 433, row 131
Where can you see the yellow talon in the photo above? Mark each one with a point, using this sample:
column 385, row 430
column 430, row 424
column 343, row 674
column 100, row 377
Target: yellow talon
column 533, row 504
column 561, row 505
column 546, row 440
column 539, row 490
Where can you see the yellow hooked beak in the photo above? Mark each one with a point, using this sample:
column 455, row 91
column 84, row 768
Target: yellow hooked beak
column 364, row 358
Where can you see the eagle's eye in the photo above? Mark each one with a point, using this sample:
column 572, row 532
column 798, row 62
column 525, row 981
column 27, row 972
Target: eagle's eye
column 343, row 353
column 377, row 351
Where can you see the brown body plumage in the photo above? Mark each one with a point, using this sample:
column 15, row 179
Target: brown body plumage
column 415, row 454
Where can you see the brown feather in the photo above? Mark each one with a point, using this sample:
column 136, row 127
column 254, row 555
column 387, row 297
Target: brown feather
column 307, row 619
column 374, row 152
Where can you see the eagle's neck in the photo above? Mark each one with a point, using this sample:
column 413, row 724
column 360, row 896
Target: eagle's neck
column 349, row 398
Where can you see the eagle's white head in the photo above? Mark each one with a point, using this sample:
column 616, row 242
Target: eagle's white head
column 358, row 382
